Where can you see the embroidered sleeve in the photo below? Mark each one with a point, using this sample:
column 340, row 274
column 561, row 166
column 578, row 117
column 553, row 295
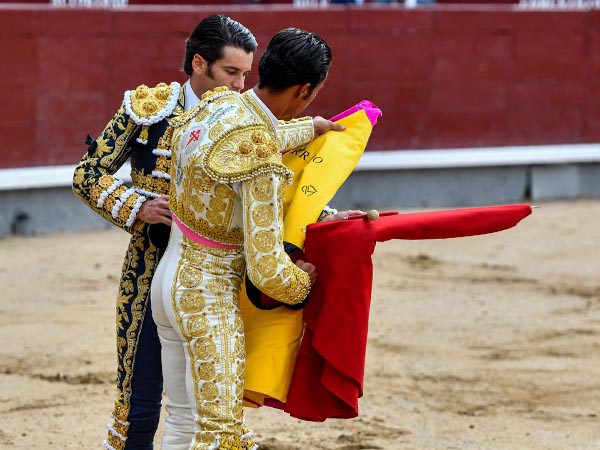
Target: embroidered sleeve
column 327, row 211
column 295, row 134
column 94, row 181
column 268, row 266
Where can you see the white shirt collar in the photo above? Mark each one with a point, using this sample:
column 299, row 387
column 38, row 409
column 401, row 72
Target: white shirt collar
column 191, row 99
column 263, row 106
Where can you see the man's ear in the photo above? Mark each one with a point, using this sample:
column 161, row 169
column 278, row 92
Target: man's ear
column 199, row 64
column 305, row 91
column 302, row 91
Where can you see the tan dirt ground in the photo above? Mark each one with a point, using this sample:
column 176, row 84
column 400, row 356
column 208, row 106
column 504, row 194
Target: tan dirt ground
column 481, row 343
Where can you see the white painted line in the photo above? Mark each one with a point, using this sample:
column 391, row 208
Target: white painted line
column 46, row 177
column 480, row 157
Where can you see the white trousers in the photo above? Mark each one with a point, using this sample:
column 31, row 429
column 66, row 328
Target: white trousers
column 195, row 304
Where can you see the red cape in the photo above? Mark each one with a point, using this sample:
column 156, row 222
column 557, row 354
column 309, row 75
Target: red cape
column 328, row 377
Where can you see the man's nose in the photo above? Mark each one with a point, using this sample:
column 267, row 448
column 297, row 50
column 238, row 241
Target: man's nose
column 238, row 83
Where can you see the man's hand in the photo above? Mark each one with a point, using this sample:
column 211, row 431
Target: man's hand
column 310, row 269
column 342, row 215
column 322, row 125
column 156, row 211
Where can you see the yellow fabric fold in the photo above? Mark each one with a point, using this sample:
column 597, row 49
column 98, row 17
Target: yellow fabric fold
column 319, row 171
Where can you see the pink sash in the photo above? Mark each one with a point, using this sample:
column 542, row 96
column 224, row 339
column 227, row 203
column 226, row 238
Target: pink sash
column 198, row 238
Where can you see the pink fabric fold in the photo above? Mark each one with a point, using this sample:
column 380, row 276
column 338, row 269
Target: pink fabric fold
column 372, row 111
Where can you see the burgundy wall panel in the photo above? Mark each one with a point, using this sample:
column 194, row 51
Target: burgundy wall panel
column 18, row 21
column 447, row 76
column 71, row 22
column 479, row 21
column 452, row 128
column 592, row 111
column 552, row 21
column 19, row 141
column 396, row 21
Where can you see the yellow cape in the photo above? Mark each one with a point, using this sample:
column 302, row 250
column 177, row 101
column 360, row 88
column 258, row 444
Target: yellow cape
column 273, row 336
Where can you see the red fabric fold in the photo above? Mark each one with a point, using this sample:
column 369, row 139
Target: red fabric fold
column 329, row 372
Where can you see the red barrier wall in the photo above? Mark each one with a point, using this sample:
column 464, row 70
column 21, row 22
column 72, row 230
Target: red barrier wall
column 444, row 76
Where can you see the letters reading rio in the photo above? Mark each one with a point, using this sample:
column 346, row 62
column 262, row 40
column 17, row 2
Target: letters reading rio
column 302, row 153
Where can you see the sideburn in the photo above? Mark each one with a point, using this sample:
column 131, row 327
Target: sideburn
column 209, row 72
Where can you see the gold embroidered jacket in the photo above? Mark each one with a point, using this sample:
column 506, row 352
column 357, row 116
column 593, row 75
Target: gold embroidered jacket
column 139, row 132
column 228, row 184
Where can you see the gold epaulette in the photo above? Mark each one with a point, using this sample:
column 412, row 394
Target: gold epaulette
column 242, row 153
column 147, row 106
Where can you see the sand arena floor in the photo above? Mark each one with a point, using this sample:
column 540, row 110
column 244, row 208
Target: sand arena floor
column 481, row 343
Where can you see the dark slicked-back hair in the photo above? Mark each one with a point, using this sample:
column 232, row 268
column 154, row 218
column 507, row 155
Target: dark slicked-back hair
column 211, row 35
column 294, row 57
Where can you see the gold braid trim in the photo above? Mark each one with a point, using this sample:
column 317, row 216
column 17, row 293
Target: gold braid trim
column 149, row 182
column 228, row 442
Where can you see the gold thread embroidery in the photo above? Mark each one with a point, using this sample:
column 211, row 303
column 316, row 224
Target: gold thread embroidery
column 295, row 134
column 149, row 182
column 214, row 340
column 146, row 102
